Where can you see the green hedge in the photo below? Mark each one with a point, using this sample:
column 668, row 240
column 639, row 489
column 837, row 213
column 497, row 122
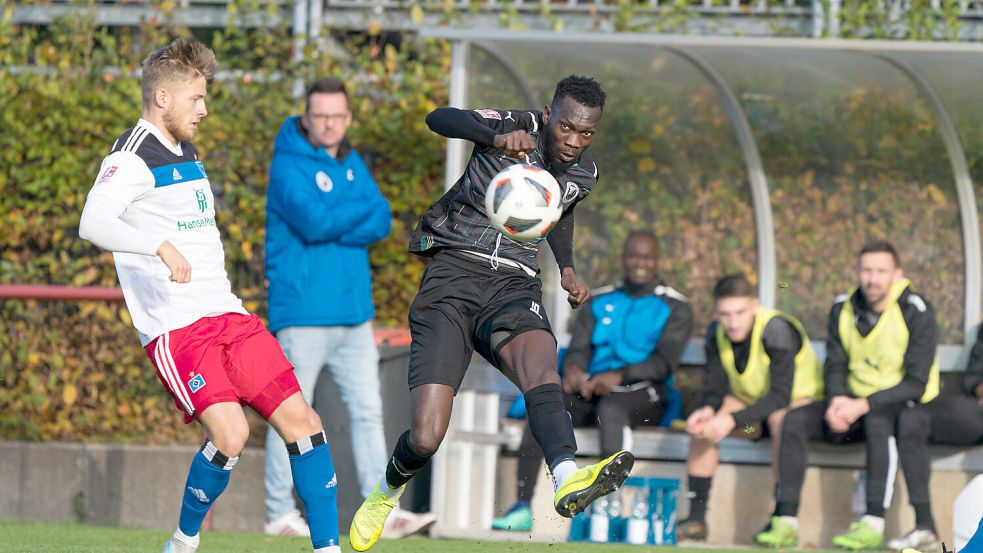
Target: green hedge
column 76, row 371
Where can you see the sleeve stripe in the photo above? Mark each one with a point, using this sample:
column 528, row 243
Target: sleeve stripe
column 137, row 132
column 535, row 124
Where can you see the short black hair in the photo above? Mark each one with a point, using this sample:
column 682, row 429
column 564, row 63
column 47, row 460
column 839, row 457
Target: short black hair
column 583, row 90
column 639, row 233
column 734, row 286
column 325, row 85
column 881, row 246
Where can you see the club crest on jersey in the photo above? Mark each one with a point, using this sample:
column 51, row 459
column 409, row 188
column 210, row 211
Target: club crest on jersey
column 323, row 181
column 202, row 200
column 108, row 173
column 196, row 383
column 489, row 114
column 571, row 193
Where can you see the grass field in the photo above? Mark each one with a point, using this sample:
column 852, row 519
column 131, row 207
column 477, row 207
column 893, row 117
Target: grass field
column 69, row 538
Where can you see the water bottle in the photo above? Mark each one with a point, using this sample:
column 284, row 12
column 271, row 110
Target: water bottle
column 658, row 523
column 638, row 524
column 616, row 520
column 599, row 520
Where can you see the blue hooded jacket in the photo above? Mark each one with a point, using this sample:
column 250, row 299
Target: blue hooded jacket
column 322, row 213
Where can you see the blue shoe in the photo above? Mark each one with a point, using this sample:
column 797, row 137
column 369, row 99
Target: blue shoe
column 517, row 519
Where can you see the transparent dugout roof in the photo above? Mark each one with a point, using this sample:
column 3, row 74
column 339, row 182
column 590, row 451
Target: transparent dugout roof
column 776, row 157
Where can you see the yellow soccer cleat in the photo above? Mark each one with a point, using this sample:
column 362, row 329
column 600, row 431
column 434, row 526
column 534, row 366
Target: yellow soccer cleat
column 371, row 518
column 585, row 485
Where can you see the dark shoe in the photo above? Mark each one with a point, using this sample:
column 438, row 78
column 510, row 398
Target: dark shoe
column 691, row 530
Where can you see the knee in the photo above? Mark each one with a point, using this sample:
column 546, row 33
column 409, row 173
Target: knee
column 230, row 441
column 913, row 426
column 425, row 441
column 794, row 424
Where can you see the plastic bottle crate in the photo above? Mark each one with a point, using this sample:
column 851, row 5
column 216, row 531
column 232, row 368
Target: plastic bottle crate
column 663, row 493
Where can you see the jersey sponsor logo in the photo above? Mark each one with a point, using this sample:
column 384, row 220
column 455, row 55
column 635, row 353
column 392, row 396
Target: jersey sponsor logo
column 571, row 193
column 199, row 495
column 350, row 175
column 535, row 309
column 202, row 200
column 323, row 181
column 196, row 383
column 192, row 224
column 176, row 175
column 108, row 173
column 489, row 114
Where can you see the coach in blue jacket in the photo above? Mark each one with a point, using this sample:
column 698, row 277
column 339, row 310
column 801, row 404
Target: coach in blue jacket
column 323, row 210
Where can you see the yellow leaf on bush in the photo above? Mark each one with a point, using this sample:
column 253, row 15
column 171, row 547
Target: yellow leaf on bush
column 646, row 165
column 416, row 14
column 69, row 394
column 639, row 146
column 936, row 194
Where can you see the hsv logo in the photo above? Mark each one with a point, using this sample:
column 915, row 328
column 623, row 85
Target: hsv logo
column 323, row 181
column 108, row 173
column 196, row 383
column 489, row 114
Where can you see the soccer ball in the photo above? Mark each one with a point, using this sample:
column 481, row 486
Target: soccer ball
column 523, row 202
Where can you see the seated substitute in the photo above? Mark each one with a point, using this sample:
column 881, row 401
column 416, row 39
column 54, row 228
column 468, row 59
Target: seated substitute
column 880, row 362
column 949, row 420
column 759, row 363
column 622, row 351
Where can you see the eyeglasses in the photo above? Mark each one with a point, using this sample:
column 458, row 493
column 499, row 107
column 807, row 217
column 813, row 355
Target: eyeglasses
column 327, row 117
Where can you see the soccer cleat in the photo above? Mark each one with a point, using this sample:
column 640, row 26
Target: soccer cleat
column 287, row 524
column 583, row 486
column 370, row 519
column 517, row 519
column 174, row 545
column 919, row 539
column 778, row 534
column 691, row 530
column 859, row 537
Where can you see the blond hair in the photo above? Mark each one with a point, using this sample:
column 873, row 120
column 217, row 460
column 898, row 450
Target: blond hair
column 185, row 59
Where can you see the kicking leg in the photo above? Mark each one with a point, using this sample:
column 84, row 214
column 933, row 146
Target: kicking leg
column 531, row 356
column 312, row 468
column 430, row 413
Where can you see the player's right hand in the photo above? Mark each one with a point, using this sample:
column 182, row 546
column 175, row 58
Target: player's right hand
column 178, row 265
column 516, row 143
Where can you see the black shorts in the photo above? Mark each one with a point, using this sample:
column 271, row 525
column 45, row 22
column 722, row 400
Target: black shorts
column 461, row 303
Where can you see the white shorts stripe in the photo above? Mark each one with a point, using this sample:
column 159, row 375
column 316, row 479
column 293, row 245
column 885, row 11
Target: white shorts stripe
column 163, row 369
column 177, row 375
column 170, row 375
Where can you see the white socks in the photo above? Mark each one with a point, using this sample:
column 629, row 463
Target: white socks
column 390, row 493
column 562, row 470
column 329, row 549
column 877, row 523
column 791, row 521
column 193, row 541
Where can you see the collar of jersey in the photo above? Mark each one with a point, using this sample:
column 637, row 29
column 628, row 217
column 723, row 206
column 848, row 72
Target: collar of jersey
column 176, row 150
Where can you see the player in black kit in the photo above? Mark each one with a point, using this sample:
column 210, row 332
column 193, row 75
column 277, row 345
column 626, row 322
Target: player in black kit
column 481, row 293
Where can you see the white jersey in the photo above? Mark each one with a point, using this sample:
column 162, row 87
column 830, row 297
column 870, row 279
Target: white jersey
column 149, row 191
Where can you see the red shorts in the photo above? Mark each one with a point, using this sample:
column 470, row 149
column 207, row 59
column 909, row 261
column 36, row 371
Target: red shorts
column 230, row 357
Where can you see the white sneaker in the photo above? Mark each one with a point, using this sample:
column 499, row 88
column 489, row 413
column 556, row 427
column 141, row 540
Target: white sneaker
column 174, row 545
column 404, row 523
column 288, row 524
column 919, row 538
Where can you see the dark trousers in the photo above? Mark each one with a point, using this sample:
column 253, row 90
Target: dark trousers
column 808, row 423
column 610, row 413
column 951, row 420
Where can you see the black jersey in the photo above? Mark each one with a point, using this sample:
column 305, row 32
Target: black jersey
column 458, row 221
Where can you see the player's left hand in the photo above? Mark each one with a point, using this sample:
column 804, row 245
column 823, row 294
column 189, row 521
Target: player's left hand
column 606, row 382
column 577, row 292
column 718, row 427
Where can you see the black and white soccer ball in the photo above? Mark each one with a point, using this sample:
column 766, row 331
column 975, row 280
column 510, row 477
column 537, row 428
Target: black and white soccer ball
column 523, row 202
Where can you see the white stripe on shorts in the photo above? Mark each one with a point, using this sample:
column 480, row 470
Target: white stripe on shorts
column 170, row 374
